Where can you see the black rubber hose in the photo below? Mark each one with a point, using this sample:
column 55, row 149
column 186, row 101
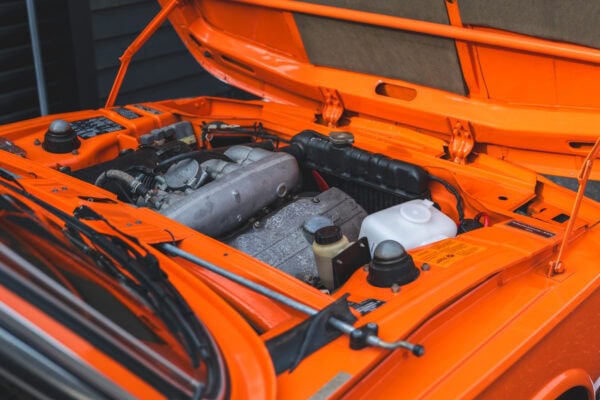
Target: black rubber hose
column 452, row 189
column 134, row 185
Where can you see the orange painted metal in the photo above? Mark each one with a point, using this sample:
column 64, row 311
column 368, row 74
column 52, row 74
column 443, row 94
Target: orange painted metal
column 532, row 45
column 567, row 380
column 467, row 54
column 493, row 322
column 514, row 90
column 497, row 290
column 462, row 141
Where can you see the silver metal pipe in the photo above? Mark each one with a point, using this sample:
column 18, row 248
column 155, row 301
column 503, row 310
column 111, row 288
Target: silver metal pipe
column 340, row 325
column 37, row 57
column 265, row 291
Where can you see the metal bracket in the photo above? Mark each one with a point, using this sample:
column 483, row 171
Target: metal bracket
column 556, row 266
column 332, row 108
column 358, row 337
column 462, row 141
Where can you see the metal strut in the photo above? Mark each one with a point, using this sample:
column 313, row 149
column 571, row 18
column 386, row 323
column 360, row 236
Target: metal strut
column 135, row 46
column 38, row 65
column 556, row 266
column 372, row 340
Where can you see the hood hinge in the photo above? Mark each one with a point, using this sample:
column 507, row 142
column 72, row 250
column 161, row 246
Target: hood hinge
column 332, row 108
column 462, row 140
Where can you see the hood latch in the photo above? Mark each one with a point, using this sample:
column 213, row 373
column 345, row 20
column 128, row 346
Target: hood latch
column 332, row 108
column 462, row 140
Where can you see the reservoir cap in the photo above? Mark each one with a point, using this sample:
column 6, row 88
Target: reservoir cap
column 418, row 213
column 391, row 265
column 60, row 138
column 328, row 235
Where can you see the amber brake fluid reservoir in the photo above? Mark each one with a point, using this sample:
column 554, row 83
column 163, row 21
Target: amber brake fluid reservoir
column 329, row 242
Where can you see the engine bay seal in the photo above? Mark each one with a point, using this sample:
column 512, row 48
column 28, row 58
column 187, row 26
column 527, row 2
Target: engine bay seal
column 288, row 349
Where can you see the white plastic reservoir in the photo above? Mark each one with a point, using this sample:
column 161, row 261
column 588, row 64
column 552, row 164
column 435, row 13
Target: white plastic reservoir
column 412, row 224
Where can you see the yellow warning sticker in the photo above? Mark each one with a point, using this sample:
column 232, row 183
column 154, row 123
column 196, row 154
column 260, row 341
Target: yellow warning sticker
column 447, row 252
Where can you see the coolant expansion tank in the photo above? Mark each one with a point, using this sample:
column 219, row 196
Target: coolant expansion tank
column 412, row 224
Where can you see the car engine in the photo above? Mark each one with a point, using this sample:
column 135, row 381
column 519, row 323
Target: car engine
column 264, row 198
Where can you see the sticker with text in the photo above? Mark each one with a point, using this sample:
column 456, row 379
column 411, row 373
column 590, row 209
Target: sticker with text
column 447, row 252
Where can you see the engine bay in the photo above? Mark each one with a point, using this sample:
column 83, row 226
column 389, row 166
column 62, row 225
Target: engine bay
column 310, row 202
column 388, row 193
column 268, row 197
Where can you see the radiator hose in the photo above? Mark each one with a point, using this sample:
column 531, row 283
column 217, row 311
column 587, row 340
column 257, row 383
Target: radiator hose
column 134, row 185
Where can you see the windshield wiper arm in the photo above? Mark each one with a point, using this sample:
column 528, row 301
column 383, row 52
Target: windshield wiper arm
column 11, row 177
column 152, row 281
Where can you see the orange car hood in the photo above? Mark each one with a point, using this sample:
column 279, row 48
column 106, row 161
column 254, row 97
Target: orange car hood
column 518, row 81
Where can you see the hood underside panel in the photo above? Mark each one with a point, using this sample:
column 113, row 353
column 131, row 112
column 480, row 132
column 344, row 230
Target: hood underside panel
column 565, row 21
column 523, row 77
column 412, row 57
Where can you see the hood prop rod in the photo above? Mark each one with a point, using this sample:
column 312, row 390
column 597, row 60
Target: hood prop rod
column 371, row 339
column 135, row 46
column 556, row 266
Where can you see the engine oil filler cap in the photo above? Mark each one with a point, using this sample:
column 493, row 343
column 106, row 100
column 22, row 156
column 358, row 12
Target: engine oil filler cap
column 391, row 265
column 418, row 213
column 60, row 138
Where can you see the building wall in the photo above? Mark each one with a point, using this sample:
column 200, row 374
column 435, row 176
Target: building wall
column 18, row 92
column 81, row 43
column 162, row 69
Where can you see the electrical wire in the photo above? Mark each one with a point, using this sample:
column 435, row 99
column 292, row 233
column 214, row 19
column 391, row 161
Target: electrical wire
column 455, row 193
column 220, row 128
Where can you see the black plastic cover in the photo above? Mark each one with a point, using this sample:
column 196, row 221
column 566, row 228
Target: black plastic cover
column 391, row 265
column 350, row 166
column 350, row 260
column 328, row 234
column 292, row 346
column 60, row 138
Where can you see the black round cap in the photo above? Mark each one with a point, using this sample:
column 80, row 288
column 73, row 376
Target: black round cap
column 391, row 265
column 328, row 234
column 60, row 138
